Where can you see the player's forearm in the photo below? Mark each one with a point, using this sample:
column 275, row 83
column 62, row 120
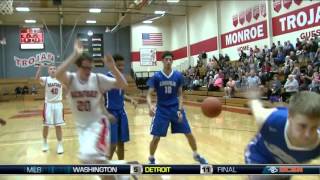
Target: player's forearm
column 37, row 77
column 180, row 96
column 149, row 102
column 62, row 69
column 128, row 98
column 121, row 80
column 180, row 101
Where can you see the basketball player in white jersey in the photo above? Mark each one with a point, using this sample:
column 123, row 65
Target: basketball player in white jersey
column 53, row 107
column 86, row 91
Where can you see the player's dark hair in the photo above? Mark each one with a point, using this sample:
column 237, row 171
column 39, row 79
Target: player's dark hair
column 82, row 58
column 306, row 103
column 117, row 57
column 166, row 53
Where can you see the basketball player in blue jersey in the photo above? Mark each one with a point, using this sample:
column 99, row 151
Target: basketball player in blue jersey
column 114, row 102
column 286, row 135
column 168, row 86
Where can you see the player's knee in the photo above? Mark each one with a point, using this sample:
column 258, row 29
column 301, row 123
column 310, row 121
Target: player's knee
column 156, row 139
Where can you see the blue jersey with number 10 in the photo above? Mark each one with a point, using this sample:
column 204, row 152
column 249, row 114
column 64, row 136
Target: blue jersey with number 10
column 166, row 87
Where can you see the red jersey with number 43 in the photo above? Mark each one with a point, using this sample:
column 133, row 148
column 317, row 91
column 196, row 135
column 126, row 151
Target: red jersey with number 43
column 86, row 97
column 53, row 89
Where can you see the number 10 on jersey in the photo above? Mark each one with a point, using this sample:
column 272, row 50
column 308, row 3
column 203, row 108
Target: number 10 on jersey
column 167, row 89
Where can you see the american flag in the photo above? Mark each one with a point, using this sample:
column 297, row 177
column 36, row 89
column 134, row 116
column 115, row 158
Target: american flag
column 152, row 39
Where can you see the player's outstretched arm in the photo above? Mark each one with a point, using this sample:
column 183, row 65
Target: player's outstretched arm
column 259, row 112
column 37, row 77
column 131, row 100
column 61, row 73
column 121, row 81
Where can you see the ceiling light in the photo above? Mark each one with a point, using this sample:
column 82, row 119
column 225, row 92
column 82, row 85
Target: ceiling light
column 30, row 21
column 91, row 21
column 22, row 9
column 95, row 10
column 159, row 12
column 90, row 33
column 173, row 1
column 147, row 22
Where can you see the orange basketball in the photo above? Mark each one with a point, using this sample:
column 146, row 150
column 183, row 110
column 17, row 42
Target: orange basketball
column 211, row 107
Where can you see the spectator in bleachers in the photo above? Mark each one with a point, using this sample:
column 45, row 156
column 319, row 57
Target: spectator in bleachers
column 315, row 84
column 266, row 49
column 286, row 48
column 210, row 65
column 280, row 57
column 253, row 80
column 291, row 86
column 210, row 83
column 273, row 47
column 279, row 46
column 307, row 78
column 202, row 71
column 293, row 56
column 196, row 83
column 218, row 82
column 296, row 71
column 291, row 46
column 230, row 88
column 274, row 91
column 298, row 45
column 243, row 56
column 226, row 58
column 288, row 66
column 244, row 80
column 221, row 59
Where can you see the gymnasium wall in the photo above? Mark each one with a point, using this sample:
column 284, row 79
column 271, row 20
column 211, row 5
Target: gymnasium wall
column 243, row 25
column 296, row 18
column 113, row 42
column 203, row 25
column 202, row 37
column 159, row 26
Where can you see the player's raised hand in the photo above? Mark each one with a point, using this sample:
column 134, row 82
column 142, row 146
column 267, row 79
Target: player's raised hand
column 2, row 122
column 78, row 47
column 109, row 62
column 152, row 111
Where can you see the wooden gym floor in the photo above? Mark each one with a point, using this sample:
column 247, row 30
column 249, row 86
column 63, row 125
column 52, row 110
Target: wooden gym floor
column 221, row 140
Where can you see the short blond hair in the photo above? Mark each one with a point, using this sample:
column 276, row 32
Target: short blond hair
column 306, row 103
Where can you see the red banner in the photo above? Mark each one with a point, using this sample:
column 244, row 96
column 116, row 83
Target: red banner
column 256, row 12
column 303, row 18
column 235, row 20
column 247, row 34
column 277, row 5
column 287, row 3
column 248, row 14
column 298, row 2
column 242, row 17
column 263, row 10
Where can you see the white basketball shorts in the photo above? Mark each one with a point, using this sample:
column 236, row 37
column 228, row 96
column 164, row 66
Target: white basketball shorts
column 94, row 141
column 53, row 114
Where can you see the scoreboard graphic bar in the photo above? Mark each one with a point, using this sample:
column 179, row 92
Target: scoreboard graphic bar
column 138, row 169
